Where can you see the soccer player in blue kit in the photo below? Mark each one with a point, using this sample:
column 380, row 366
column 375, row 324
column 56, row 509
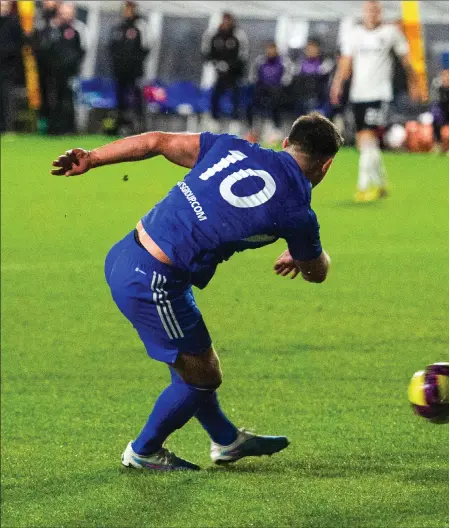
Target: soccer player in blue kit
column 236, row 196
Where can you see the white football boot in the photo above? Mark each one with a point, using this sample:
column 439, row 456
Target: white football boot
column 162, row 460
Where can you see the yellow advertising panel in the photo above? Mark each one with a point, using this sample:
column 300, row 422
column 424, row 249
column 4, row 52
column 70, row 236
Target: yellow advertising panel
column 26, row 14
column 413, row 32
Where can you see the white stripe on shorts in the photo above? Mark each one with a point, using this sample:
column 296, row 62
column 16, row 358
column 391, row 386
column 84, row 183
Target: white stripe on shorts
column 158, row 307
column 164, row 307
column 169, row 305
column 162, row 304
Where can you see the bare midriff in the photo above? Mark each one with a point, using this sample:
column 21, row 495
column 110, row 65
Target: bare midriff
column 146, row 240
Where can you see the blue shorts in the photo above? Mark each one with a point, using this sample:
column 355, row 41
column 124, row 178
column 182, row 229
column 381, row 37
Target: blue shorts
column 158, row 301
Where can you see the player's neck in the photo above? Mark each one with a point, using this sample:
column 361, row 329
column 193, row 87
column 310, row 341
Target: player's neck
column 311, row 171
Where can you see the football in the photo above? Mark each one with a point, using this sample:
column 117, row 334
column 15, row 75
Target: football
column 428, row 393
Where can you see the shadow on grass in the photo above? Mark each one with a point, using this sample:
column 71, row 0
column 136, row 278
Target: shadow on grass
column 307, row 468
column 316, row 469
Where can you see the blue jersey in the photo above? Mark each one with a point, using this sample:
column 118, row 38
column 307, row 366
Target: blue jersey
column 237, row 196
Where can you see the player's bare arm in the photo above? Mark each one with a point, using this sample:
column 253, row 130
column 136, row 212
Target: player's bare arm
column 181, row 149
column 411, row 76
column 343, row 74
column 315, row 270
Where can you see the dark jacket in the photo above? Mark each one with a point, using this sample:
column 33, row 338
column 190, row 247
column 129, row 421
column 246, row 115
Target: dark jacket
column 58, row 49
column 228, row 50
column 67, row 53
column 11, row 42
column 127, row 48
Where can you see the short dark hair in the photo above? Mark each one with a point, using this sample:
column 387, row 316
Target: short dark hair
column 315, row 135
column 314, row 40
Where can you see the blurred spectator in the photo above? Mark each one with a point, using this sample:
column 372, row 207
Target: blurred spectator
column 312, row 79
column 66, row 54
column 440, row 109
column 271, row 74
column 59, row 48
column 45, row 33
column 228, row 51
column 129, row 47
column 11, row 41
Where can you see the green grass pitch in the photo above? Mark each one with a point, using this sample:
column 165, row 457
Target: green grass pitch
column 328, row 365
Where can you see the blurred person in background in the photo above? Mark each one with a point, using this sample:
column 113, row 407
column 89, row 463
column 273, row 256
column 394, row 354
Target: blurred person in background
column 11, row 65
column 439, row 89
column 270, row 73
column 129, row 47
column 227, row 49
column 312, row 80
column 59, row 48
column 367, row 57
column 337, row 111
column 66, row 54
column 45, row 33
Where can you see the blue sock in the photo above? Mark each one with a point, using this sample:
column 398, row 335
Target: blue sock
column 214, row 421
column 175, row 406
column 212, row 418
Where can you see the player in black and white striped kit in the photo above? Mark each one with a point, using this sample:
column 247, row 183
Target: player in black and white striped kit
column 367, row 58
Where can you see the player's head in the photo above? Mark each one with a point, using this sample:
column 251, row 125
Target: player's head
column 49, row 8
column 313, row 142
column 6, row 7
column 228, row 23
column 312, row 49
column 66, row 12
column 50, row 4
column 372, row 14
column 129, row 10
column 271, row 50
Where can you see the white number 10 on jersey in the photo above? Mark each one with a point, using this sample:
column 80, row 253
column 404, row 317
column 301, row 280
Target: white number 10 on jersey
column 226, row 191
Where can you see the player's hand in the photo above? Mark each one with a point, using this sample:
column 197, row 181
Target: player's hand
column 285, row 265
column 73, row 163
column 335, row 94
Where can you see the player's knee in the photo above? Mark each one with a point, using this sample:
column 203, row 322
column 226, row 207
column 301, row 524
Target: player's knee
column 213, row 381
column 210, row 378
column 202, row 371
column 217, row 377
column 367, row 139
